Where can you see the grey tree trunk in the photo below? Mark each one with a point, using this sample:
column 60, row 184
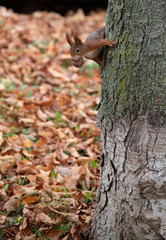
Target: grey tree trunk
column 131, row 199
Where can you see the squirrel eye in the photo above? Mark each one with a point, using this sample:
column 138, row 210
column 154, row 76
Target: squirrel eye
column 77, row 50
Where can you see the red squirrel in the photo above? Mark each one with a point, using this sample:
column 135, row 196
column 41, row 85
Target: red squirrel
column 92, row 48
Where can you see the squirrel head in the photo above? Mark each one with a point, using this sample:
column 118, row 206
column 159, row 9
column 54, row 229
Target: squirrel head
column 77, row 49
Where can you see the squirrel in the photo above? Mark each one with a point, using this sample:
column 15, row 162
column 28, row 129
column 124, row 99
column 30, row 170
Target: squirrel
column 92, row 48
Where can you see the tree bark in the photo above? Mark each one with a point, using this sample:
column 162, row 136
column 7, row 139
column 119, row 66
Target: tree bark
column 131, row 198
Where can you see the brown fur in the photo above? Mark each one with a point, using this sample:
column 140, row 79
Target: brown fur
column 91, row 48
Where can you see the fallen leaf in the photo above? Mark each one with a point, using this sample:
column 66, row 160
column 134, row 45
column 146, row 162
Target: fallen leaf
column 4, row 221
column 41, row 115
column 56, row 74
column 26, row 142
column 11, row 204
column 42, row 217
column 1, row 138
column 24, row 189
column 2, row 87
column 30, row 200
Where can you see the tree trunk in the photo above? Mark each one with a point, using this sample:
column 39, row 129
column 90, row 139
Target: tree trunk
column 131, row 199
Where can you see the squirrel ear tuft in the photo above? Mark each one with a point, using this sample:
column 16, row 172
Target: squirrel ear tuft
column 69, row 39
column 77, row 39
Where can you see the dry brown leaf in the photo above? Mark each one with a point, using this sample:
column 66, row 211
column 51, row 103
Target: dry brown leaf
column 27, row 189
column 62, row 156
column 66, row 237
column 42, row 217
column 61, row 134
column 41, row 115
column 87, row 126
column 24, row 224
column 71, row 171
column 90, row 153
column 30, row 200
column 44, row 174
column 86, row 143
column 11, row 204
column 73, row 217
column 2, row 87
column 26, row 153
column 25, row 167
column 60, row 179
column 71, row 182
column 26, row 142
column 56, row 74
column 1, row 138
column 6, row 165
column 32, row 237
column 27, row 121
column 42, row 141
column 54, row 234
column 74, row 152
column 4, row 221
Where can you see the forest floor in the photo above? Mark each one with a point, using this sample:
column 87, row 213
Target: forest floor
column 49, row 142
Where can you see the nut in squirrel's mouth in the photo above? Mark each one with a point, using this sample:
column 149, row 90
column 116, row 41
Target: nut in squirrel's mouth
column 78, row 61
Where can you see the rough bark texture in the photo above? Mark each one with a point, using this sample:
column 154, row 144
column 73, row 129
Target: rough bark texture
column 131, row 199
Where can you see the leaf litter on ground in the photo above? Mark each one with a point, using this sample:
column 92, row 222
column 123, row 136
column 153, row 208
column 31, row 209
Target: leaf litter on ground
column 49, row 141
